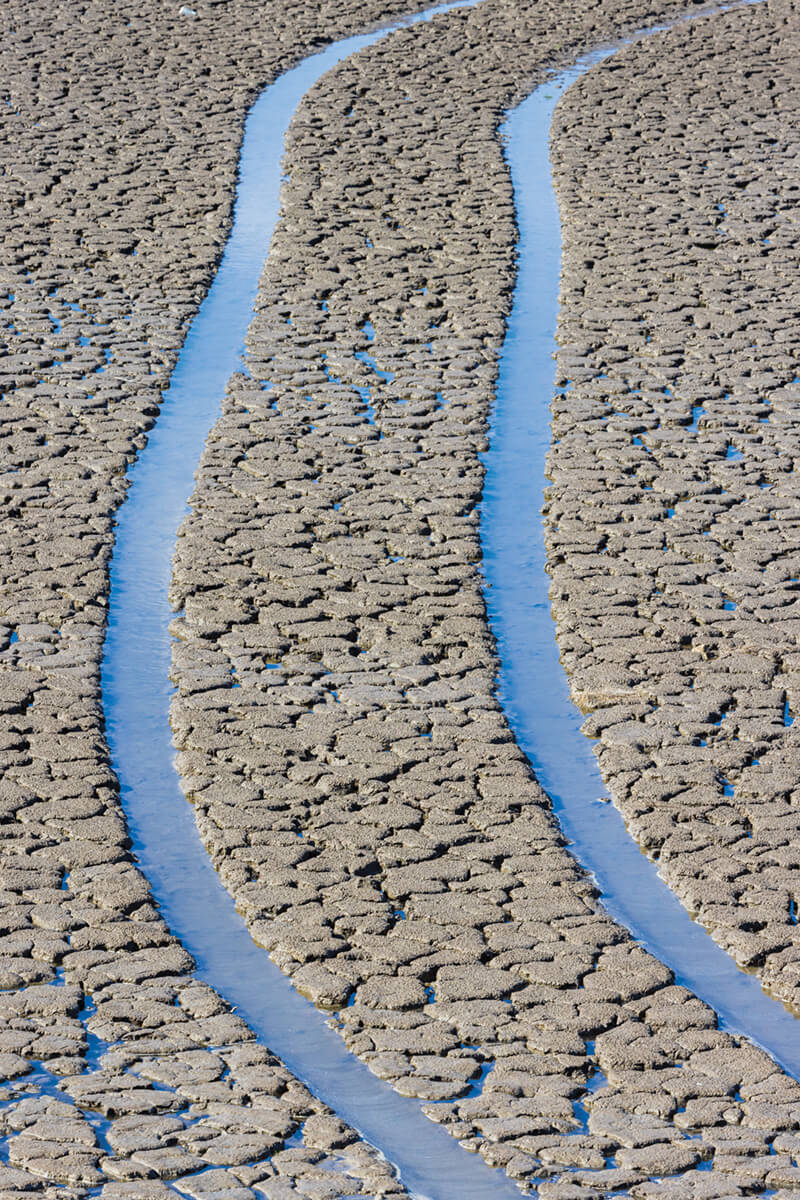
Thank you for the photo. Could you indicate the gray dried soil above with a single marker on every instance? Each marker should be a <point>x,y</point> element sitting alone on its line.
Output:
<point>672,525</point>
<point>353,776</point>
<point>121,124</point>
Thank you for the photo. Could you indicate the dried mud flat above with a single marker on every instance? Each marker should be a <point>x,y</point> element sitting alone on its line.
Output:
<point>335,671</point>
<point>673,518</point>
<point>121,126</point>
<point>334,535</point>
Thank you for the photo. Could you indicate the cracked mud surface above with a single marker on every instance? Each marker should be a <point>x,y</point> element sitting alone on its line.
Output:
<point>353,776</point>
<point>431,886</point>
<point>672,519</point>
<point>121,126</point>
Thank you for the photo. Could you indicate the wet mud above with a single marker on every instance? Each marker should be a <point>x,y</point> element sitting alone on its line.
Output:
<point>330,566</point>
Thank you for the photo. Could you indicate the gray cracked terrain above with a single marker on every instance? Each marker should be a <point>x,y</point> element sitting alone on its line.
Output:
<point>431,887</point>
<point>672,523</point>
<point>120,131</point>
<point>335,671</point>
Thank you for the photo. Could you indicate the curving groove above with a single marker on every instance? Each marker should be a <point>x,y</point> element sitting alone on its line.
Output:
<point>137,657</point>
<point>136,691</point>
<point>546,723</point>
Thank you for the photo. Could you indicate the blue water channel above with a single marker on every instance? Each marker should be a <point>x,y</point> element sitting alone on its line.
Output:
<point>136,665</point>
<point>136,691</point>
<point>532,684</point>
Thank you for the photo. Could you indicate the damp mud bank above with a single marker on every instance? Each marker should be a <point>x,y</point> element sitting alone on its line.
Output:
<point>353,776</point>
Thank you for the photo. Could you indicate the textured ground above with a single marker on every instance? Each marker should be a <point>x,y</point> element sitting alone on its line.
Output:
<point>431,887</point>
<point>673,517</point>
<point>120,131</point>
<point>335,670</point>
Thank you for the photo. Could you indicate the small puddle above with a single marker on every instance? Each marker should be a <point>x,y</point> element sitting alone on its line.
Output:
<point>532,684</point>
<point>136,690</point>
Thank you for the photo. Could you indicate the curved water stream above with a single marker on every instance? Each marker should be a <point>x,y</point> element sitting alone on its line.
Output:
<point>545,722</point>
<point>137,660</point>
<point>136,690</point>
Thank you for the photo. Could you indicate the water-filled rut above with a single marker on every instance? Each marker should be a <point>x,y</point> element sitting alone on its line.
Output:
<point>136,691</point>
<point>545,721</point>
<point>136,694</point>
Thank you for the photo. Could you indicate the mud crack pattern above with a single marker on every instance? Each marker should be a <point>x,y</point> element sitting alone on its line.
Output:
<point>353,776</point>
<point>672,518</point>
<point>121,126</point>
